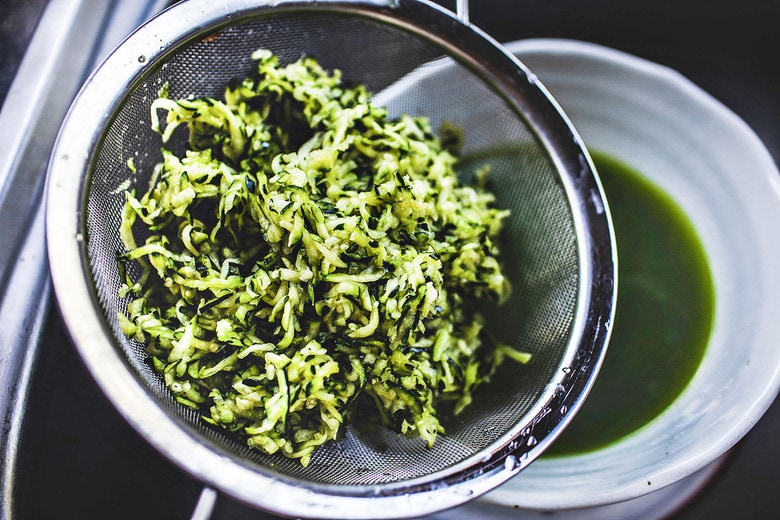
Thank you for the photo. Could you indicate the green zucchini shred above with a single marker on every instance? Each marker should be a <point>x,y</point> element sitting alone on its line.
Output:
<point>308,258</point>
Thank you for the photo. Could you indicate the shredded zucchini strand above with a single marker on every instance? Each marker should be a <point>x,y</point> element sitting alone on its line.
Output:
<point>306,254</point>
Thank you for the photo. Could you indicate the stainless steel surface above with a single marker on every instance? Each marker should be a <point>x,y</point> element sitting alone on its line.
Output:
<point>541,171</point>
<point>77,458</point>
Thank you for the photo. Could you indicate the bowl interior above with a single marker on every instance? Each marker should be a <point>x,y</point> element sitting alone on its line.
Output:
<point>717,170</point>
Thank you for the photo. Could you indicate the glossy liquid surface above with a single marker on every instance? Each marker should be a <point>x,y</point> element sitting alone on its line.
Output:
<point>663,317</point>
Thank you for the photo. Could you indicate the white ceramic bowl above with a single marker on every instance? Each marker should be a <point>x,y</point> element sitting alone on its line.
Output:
<point>719,172</point>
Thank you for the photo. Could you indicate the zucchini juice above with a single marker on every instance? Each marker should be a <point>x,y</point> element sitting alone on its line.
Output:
<point>663,318</point>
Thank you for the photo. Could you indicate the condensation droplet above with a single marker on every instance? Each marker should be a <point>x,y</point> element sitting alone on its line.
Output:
<point>464,492</point>
<point>141,59</point>
<point>510,462</point>
<point>79,237</point>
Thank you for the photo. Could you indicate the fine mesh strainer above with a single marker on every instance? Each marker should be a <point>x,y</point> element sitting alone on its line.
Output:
<point>421,60</point>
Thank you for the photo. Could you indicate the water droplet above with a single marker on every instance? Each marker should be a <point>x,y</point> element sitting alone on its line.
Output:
<point>141,59</point>
<point>597,202</point>
<point>566,370</point>
<point>79,237</point>
<point>464,492</point>
<point>510,463</point>
<point>564,409</point>
<point>532,441</point>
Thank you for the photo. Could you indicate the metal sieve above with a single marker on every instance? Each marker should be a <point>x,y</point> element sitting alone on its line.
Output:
<point>419,59</point>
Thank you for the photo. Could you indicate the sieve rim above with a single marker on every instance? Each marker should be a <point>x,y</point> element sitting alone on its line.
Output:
<point>71,166</point>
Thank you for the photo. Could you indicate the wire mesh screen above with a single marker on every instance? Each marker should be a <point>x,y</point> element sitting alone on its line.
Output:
<point>410,75</point>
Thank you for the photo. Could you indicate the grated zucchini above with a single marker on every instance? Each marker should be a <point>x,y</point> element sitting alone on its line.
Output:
<point>309,260</point>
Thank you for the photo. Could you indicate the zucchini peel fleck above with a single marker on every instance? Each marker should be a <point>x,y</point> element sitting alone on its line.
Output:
<point>309,261</point>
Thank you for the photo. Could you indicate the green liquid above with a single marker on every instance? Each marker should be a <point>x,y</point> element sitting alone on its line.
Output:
<point>663,317</point>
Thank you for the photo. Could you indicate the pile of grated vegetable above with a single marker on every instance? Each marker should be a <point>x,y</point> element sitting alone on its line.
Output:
<point>308,260</point>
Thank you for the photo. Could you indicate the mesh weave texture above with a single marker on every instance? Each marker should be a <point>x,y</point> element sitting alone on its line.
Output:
<point>411,75</point>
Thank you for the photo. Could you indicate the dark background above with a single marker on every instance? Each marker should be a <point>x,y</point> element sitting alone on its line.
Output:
<point>80,460</point>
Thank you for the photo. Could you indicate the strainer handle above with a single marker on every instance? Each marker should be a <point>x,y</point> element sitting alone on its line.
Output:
<point>204,508</point>
<point>462,10</point>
